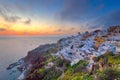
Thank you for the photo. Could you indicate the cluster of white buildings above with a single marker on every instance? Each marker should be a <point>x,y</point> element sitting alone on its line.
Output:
<point>75,48</point>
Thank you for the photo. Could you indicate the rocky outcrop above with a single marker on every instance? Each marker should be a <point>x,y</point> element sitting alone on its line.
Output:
<point>18,63</point>
<point>36,54</point>
<point>114,29</point>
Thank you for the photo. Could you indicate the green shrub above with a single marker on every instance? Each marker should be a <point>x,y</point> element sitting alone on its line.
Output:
<point>52,74</point>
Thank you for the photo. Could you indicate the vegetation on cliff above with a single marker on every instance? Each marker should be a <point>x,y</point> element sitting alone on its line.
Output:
<point>109,70</point>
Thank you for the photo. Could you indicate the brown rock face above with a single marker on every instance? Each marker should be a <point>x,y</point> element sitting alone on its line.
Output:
<point>36,55</point>
<point>114,29</point>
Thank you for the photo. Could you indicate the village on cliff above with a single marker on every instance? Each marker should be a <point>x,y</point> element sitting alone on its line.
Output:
<point>83,46</point>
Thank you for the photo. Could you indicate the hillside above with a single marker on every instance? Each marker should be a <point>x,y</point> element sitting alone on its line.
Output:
<point>85,56</point>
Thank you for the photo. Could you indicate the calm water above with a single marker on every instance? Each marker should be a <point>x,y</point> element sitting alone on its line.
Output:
<point>13,48</point>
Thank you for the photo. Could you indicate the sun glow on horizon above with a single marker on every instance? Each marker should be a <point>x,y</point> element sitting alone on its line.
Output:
<point>34,28</point>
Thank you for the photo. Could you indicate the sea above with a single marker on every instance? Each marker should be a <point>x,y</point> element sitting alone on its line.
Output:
<point>12,48</point>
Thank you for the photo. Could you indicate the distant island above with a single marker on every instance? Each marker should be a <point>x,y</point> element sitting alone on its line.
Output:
<point>85,56</point>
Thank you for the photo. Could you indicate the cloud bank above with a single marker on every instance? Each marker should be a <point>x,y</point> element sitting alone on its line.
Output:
<point>91,14</point>
<point>2,29</point>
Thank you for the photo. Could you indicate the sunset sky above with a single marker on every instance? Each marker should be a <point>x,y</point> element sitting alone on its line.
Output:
<point>51,17</point>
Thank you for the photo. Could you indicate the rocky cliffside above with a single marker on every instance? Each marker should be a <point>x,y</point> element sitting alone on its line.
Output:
<point>35,54</point>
